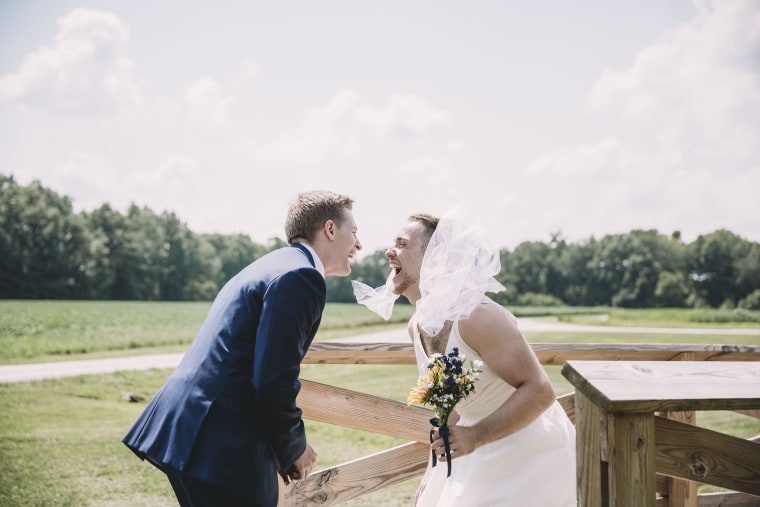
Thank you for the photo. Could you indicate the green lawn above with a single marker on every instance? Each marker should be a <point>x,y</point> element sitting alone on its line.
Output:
<point>60,439</point>
<point>668,317</point>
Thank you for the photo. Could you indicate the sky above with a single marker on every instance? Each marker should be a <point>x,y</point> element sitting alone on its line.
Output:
<point>536,118</point>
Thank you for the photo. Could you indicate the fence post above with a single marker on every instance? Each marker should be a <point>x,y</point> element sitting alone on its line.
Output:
<point>682,492</point>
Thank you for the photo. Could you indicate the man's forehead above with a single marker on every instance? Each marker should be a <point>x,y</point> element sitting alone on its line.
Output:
<point>410,231</point>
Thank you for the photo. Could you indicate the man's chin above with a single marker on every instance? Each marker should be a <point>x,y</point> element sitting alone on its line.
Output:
<point>342,273</point>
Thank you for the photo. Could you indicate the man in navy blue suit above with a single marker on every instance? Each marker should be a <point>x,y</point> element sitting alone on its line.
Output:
<point>226,423</point>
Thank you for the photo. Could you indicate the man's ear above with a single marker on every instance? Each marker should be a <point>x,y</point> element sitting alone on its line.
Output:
<point>330,229</point>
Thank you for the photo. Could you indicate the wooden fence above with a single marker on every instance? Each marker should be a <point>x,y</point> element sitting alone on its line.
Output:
<point>362,411</point>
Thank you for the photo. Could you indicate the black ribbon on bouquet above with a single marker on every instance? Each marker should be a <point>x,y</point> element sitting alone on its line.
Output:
<point>443,431</point>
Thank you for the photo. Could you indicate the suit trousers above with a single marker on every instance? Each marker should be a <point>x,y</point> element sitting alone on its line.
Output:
<point>192,492</point>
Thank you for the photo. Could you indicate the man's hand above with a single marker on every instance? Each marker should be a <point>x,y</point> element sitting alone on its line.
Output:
<point>301,468</point>
<point>462,441</point>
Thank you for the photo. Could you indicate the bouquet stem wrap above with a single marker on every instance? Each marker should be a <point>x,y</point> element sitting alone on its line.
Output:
<point>443,431</point>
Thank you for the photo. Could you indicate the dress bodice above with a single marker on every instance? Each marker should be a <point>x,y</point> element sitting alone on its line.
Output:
<point>490,390</point>
<point>509,472</point>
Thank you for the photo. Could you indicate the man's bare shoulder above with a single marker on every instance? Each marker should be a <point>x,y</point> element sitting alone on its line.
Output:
<point>486,321</point>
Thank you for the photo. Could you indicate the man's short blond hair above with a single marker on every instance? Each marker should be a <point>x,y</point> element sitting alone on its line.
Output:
<point>309,212</point>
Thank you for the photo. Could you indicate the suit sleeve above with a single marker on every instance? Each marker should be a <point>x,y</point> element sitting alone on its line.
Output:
<point>290,315</point>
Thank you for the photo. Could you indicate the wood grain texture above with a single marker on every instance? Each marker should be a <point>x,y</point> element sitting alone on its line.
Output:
<point>729,499</point>
<point>359,353</point>
<point>682,492</point>
<point>707,456</point>
<point>361,411</point>
<point>632,463</point>
<point>567,402</point>
<point>548,353</point>
<point>652,386</point>
<point>588,452</point>
<point>359,477</point>
<point>560,353</point>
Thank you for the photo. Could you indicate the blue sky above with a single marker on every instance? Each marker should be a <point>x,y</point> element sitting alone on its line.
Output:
<point>584,118</point>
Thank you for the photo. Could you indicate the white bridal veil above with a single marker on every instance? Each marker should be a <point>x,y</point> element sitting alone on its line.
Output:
<point>458,268</point>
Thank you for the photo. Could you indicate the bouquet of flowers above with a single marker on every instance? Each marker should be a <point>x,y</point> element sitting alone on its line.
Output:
<point>445,383</point>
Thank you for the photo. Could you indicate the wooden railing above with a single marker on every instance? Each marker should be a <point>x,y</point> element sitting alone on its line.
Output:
<point>362,411</point>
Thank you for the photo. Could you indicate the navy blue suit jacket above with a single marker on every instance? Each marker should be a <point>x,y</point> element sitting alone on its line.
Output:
<point>230,406</point>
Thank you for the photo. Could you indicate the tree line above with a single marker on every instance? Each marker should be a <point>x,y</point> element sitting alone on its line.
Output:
<point>47,251</point>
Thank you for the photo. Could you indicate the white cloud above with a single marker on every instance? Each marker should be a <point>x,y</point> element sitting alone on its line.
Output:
<point>173,173</point>
<point>210,100</point>
<point>587,161</point>
<point>669,138</point>
<point>89,179</point>
<point>681,151</point>
<point>337,127</point>
<point>404,115</point>
<point>698,85</point>
<point>326,129</point>
<point>89,176</point>
<point>246,73</point>
<point>92,180</point>
<point>442,165</point>
<point>208,103</point>
<point>87,71</point>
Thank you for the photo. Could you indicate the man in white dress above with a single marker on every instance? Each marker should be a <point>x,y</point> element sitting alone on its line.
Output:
<point>511,443</point>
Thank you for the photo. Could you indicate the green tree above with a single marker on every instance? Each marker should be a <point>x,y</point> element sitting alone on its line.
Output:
<point>752,301</point>
<point>48,251</point>
<point>44,244</point>
<point>529,267</point>
<point>629,265</point>
<point>748,272</point>
<point>204,268</point>
<point>134,244</point>
<point>575,263</point>
<point>107,228</point>
<point>190,271</point>
<point>672,290</point>
<point>508,296</point>
<point>234,252</point>
<point>713,260</point>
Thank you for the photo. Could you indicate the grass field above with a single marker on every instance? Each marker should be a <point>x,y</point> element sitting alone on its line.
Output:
<point>37,331</point>
<point>60,439</point>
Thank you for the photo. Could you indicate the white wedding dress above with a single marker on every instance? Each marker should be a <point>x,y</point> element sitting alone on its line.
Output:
<point>534,467</point>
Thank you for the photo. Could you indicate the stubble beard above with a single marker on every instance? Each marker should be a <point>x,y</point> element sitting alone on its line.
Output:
<point>404,285</point>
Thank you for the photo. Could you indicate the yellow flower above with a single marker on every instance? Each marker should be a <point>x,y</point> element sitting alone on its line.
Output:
<point>420,391</point>
<point>436,371</point>
<point>416,395</point>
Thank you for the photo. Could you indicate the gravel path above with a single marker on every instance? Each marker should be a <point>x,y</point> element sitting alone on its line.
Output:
<point>29,372</point>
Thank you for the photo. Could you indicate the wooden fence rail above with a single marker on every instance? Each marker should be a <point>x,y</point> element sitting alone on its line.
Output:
<point>366,412</point>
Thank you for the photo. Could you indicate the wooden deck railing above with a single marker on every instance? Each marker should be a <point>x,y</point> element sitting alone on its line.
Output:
<point>362,411</point>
